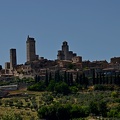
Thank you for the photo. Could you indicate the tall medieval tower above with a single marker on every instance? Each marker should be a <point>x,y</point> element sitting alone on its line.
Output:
<point>31,52</point>
<point>65,54</point>
<point>65,49</point>
<point>13,59</point>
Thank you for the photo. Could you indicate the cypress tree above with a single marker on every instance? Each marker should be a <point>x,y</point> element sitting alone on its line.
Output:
<point>65,77</point>
<point>103,80</point>
<point>93,76</point>
<point>83,78</point>
<point>36,80</point>
<point>107,80</point>
<point>71,79</point>
<point>111,79</point>
<point>115,78</point>
<point>68,78</point>
<point>46,78</point>
<point>50,76</point>
<point>57,76</point>
<point>100,81</point>
<point>77,78</point>
<point>97,79</point>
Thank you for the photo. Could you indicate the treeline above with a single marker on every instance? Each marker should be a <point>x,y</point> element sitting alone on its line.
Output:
<point>66,83</point>
<point>58,111</point>
<point>101,78</point>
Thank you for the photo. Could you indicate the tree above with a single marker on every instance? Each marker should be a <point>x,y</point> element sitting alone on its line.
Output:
<point>111,78</point>
<point>51,86</point>
<point>107,79</point>
<point>57,76</point>
<point>97,79</point>
<point>100,80</point>
<point>50,76</point>
<point>102,107</point>
<point>0,67</point>
<point>68,78</point>
<point>65,77</point>
<point>37,78</point>
<point>77,78</point>
<point>93,107</point>
<point>93,76</point>
<point>103,77</point>
<point>11,116</point>
<point>71,79</point>
<point>75,111</point>
<point>62,88</point>
<point>40,86</point>
<point>63,112</point>
<point>46,78</point>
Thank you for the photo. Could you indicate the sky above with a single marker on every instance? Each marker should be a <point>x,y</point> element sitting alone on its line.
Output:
<point>91,28</point>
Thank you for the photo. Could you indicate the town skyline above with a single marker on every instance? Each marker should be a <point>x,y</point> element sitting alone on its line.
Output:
<point>91,28</point>
<point>31,53</point>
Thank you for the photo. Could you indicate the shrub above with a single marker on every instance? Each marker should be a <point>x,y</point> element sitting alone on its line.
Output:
<point>114,94</point>
<point>37,87</point>
<point>73,89</point>
<point>99,87</point>
<point>62,88</point>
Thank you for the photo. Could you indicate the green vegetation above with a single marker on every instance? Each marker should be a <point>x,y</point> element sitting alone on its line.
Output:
<point>48,105</point>
<point>63,98</point>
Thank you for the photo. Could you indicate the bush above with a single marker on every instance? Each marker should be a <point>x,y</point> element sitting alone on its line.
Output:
<point>37,87</point>
<point>99,87</point>
<point>51,86</point>
<point>114,113</point>
<point>73,89</point>
<point>11,116</point>
<point>62,112</point>
<point>114,94</point>
<point>62,88</point>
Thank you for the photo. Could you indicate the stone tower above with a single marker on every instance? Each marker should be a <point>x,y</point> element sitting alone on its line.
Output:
<point>13,59</point>
<point>31,52</point>
<point>65,49</point>
<point>65,54</point>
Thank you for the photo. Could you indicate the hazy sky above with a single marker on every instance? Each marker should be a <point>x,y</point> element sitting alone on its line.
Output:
<point>91,27</point>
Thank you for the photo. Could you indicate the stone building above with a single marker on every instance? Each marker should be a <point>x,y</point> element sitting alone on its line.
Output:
<point>7,65</point>
<point>31,49</point>
<point>115,60</point>
<point>13,59</point>
<point>65,54</point>
<point>77,59</point>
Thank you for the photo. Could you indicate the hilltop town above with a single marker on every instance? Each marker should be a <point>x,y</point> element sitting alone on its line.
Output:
<point>66,61</point>
<point>63,89</point>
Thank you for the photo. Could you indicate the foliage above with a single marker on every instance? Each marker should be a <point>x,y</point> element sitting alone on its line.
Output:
<point>73,89</point>
<point>99,87</point>
<point>62,88</point>
<point>61,112</point>
<point>37,87</point>
<point>114,94</point>
<point>11,116</point>
<point>51,86</point>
